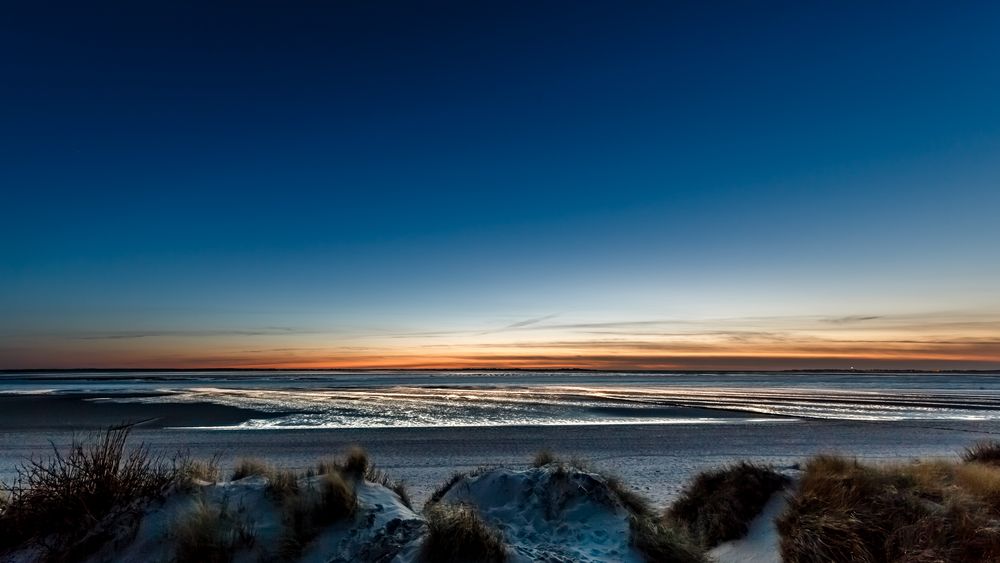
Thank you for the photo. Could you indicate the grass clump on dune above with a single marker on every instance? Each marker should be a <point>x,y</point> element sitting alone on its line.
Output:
<point>357,465</point>
<point>848,511</point>
<point>543,458</point>
<point>308,511</point>
<point>987,451</point>
<point>209,533</point>
<point>280,482</point>
<point>718,505</point>
<point>660,542</point>
<point>457,534</point>
<point>191,471</point>
<point>250,467</point>
<point>62,503</point>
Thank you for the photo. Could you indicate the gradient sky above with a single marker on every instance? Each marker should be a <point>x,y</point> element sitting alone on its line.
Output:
<point>531,184</point>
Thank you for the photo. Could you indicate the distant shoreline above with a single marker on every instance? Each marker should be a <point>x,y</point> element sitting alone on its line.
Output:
<point>35,371</point>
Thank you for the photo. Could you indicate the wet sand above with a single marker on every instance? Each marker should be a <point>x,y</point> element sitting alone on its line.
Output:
<point>86,411</point>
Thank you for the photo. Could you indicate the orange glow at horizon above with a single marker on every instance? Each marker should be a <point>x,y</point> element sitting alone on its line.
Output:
<point>875,347</point>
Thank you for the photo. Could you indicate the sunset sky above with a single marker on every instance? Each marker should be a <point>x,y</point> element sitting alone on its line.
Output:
<point>657,185</point>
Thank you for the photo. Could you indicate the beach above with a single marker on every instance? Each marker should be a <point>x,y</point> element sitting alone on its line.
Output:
<point>655,448</point>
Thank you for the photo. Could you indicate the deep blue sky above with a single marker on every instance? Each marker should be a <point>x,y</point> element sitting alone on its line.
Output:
<point>327,179</point>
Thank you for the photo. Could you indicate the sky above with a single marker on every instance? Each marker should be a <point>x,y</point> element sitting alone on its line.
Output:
<point>643,185</point>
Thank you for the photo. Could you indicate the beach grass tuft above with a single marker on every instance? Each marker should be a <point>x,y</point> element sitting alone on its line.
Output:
<point>282,483</point>
<point>250,467</point>
<point>379,477</point>
<point>718,505</point>
<point>986,451</point>
<point>307,511</point>
<point>636,504</point>
<point>190,471</point>
<point>209,533</point>
<point>64,501</point>
<point>456,533</point>
<point>845,510</point>
<point>442,490</point>
<point>356,462</point>
<point>543,458</point>
<point>660,542</point>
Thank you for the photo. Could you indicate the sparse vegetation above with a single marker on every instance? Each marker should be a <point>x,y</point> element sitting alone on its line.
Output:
<point>209,533</point>
<point>659,542</point>
<point>191,470</point>
<point>543,458</point>
<point>848,511</point>
<point>718,505</point>
<point>457,534</point>
<point>439,493</point>
<point>636,504</point>
<point>379,477</point>
<point>328,465</point>
<point>356,463</point>
<point>282,483</point>
<point>442,490</point>
<point>250,467</point>
<point>62,503</point>
<point>307,511</point>
<point>987,451</point>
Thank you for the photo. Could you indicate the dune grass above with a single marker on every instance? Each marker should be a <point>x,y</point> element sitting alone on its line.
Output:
<point>718,505</point>
<point>457,534</point>
<point>191,471</point>
<point>357,465</point>
<point>987,451</point>
<point>250,467</point>
<point>209,533</point>
<point>848,511</point>
<point>543,458</point>
<point>309,510</point>
<point>61,503</point>
<point>661,542</point>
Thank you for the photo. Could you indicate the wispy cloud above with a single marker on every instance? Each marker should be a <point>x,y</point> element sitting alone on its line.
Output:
<point>851,319</point>
<point>520,324</point>
<point>182,333</point>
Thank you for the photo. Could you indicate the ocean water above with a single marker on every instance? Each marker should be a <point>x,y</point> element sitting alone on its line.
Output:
<point>426,399</point>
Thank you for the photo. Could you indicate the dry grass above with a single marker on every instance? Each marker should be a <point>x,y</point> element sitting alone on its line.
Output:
<point>379,477</point>
<point>636,504</point>
<point>848,511</point>
<point>62,503</point>
<point>442,490</point>
<point>308,511</point>
<point>328,465</point>
<point>987,451</point>
<point>439,493</point>
<point>191,470</point>
<point>282,483</point>
<point>250,467</point>
<point>660,542</point>
<point>543,458</point>
<point>356,463</point>
<point>209,533</point>
<point>457,534</point>
<point>719,505</point>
